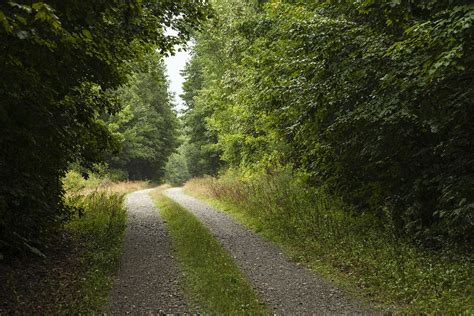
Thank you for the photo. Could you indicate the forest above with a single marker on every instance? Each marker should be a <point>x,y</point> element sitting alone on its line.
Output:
<point>371,100</point>
<point>340,129</point>
<point>80,81</point>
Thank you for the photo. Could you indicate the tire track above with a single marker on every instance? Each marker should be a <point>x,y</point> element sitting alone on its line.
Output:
<point>285,286</point>
<point>148,280</point>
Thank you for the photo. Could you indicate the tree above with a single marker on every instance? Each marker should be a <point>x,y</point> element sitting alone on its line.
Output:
<point>177,168</point>
<point>58,60</point>
<point>201,154</point>
<point>371,99</point>
<point>147,125</point>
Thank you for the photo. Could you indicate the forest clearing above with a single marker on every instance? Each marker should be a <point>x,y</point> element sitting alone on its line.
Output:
<point>318,157</point>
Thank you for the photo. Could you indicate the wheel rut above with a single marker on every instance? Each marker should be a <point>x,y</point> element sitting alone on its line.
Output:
<point>285,286</point>
<point>148,280</point>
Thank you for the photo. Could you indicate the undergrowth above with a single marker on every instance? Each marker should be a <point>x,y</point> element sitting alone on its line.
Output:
<point>360,252</point>
<point>99,225</point>
<point>72,274</point>
<point>211,276</point>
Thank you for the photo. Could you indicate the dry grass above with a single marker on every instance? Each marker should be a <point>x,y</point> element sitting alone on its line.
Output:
<point>127,187</point>
<point>201,187</point>
<point>75,184</point>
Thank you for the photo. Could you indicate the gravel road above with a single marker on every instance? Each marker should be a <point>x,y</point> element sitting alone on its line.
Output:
<point>148,280</point>
<point>285,286</point>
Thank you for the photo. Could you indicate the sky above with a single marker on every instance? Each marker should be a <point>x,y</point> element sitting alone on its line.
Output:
<point>174,65</point>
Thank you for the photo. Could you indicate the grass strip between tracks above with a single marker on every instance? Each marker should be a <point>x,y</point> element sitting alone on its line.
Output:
<point>211,276</point>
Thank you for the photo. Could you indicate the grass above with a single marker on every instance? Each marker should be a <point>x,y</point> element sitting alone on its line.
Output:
<point>211,276</point>
<point>75,184</point>
<point>99,227</point>
<point>75,272</point>
<point>352,250</point>
<point>100,232</point>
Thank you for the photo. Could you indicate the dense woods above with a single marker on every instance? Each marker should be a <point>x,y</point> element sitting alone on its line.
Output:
<point>146,127</point>
<point>60,62</point>
<point>371,100</point>
<point>339,129</point>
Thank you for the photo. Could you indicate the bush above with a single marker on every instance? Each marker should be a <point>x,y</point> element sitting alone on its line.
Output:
<point>366,250</point>
<point>117,175</point>
<point>99,226</point>
<point>176,169</point>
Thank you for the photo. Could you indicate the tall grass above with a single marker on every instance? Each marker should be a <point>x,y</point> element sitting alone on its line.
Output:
<point>99,228</point>
<point>99,225</point>
<point>360,251</point>
<point>73,274</point>
<point>75,184</point>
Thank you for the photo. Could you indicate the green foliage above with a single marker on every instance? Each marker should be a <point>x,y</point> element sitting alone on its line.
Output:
<point>177,169</point>
<point>371,99</point>
<point>147,125</point>
<point>363,252</point>
<point>58,60</point>
<point>99,227</point>
<point>211,275</point>
<point>202,157</point>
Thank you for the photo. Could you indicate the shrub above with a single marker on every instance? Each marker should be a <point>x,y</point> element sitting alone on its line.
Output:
<point>99,226</point>
<point>365,249</point>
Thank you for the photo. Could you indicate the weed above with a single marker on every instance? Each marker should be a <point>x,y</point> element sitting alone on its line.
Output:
<point>99,226</point>
<point>357,250</point>
<point>211,276</point>
<point>100,229</point>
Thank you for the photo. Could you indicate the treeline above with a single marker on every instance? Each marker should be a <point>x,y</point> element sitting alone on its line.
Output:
<point>372,100</point>
<point>146,127</point>
<point>64,69</point>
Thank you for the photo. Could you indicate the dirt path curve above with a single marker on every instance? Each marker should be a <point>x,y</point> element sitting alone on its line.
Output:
<point>285,286</point>
<point>148,278</point>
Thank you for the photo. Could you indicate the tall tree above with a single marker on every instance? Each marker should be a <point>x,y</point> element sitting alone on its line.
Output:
<point>372,99</point>
<point>57,60</point>
<point>147,125</point>
<point>202,156</point>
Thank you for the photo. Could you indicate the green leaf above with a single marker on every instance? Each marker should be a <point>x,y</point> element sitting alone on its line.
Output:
<point>23,7</point>
<point>4,21</point>
<point>87,34</point>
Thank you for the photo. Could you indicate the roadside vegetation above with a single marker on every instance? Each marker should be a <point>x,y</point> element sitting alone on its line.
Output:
<point>343,129</point>
<point>77,79</point>
<point>371,100</point>
<point>361,253</point>
<point>74,274</point>
<point>211,276</point>
<point>98,225</point>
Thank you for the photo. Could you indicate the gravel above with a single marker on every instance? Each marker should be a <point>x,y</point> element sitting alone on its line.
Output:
<point>148,280</point>
<point>285,287</point>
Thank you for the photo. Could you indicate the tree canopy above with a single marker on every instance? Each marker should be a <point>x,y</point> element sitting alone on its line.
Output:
<point>146,126</point>
<point>371,99</point>
<point>59,60</point>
